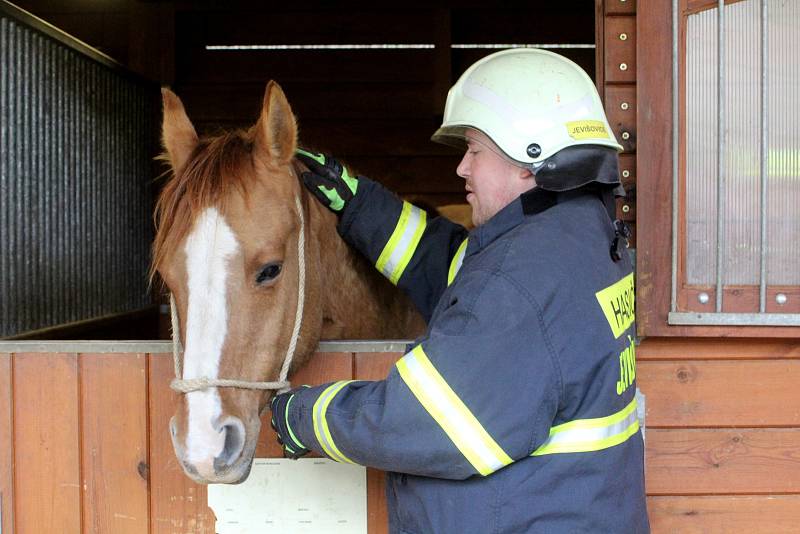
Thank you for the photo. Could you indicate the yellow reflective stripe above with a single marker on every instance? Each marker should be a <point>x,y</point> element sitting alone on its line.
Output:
<point>442,403</point>
<point>617,302</point>
<point>455,264</point>
<point>585,435</point>
<point>321,423</point>
<point>403,242</point>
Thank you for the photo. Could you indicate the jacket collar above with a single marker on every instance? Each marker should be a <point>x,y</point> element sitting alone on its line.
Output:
<point>529,203</point>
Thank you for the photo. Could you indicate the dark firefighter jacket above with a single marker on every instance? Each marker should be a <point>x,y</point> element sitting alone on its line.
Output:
<point>515,412</point>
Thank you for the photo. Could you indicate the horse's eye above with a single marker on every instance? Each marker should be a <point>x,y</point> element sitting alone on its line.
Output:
<point>268,272</point>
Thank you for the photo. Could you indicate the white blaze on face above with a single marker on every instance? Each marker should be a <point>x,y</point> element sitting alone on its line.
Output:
<point>208,248</point>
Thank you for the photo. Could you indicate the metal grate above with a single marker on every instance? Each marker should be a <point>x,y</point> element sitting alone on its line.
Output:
<point>736,184</point>
<point>77,142</point>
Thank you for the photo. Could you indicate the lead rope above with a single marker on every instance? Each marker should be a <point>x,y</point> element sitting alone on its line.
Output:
<point>194,384</point>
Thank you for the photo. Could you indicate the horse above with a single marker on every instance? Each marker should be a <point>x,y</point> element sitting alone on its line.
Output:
<point>243,247</point>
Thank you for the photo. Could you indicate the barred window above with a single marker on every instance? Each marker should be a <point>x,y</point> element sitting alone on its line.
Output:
<point>736,251</point>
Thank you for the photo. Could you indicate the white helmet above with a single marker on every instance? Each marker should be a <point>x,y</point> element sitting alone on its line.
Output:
<point>530,102</point>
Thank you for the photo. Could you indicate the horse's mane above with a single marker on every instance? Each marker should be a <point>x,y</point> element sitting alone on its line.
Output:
<point>217,165</point>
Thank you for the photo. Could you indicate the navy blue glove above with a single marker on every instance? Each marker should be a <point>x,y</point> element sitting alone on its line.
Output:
<point>328,180</point>
<point>292,447</point>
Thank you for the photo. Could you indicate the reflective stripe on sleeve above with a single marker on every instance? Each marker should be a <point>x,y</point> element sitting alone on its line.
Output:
<point>442,403</point>
<point>584,435</point>
<point>321,423</point>
<point>401,245</point>
<point>458,259</point>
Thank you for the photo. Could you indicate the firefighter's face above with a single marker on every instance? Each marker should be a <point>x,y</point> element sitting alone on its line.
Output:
<point>492,181</point>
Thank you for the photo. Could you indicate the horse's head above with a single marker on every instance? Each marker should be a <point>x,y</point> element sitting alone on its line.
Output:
<point>227,248</point>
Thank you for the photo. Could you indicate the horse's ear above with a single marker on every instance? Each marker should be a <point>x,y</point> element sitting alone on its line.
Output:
<point>276,130</point>
<point>178,134</point>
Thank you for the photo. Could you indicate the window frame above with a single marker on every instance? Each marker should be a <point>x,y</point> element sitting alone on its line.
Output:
<point>655,182</point>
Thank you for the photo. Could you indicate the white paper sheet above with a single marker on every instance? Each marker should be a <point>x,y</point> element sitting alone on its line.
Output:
<point>305,496</point>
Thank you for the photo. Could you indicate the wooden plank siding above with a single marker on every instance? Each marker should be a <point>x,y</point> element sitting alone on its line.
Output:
<point>725,514</point>
<point>6,443</point>
<point>723,434</point>
<point>697,393</point>
<point>114,443</point>
<point>716,461</point>
<point>722,439</point>
<point>47,443</point>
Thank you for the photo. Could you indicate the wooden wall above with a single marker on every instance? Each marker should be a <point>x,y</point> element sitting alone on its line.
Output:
<point>723,434</point>
<point>84,442</point>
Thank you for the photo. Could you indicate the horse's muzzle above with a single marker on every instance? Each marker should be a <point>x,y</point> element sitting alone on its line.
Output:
<point>232,465</point>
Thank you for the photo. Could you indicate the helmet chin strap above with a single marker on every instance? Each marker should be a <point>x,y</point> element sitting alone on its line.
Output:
<point>533,167</point>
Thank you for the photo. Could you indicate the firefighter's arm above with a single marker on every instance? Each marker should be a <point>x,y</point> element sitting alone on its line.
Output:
<point>478,393</point>
<point>412,250</point>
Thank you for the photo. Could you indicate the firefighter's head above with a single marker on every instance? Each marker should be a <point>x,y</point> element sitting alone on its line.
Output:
<point>540,113</point>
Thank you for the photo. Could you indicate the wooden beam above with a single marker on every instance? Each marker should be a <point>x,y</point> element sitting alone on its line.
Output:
<point>599,50</point>
<point>722,461</point>
<point>654,166</point>
<point>696,393</point>
<point>724,514</point>
<point>717,349</point>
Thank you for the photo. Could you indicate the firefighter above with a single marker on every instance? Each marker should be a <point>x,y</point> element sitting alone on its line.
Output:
<point>516,410</point>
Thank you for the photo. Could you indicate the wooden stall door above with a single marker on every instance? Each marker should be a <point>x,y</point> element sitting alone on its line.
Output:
<point>85,444</point>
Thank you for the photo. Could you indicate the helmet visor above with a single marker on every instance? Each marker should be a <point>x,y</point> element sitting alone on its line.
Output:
<point>460,136</point>
<point>453,136</point>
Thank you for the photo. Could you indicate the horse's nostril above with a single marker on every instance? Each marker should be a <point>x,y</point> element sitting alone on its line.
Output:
<point>234,443</point>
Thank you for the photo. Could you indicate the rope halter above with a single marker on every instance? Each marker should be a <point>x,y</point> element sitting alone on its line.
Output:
<point>182,385</point>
